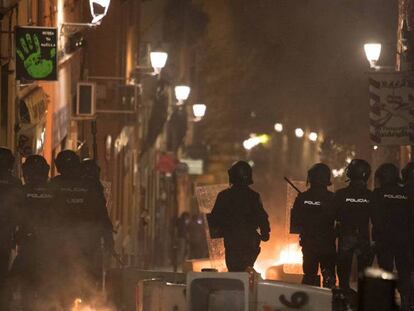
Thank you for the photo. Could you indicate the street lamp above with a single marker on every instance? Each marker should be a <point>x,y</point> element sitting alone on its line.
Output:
<point>158,60</point>
<point>313,136</point>
<point>372,52</point>
<point>98,16</point>
<point>181,93</point>
<point>279,127</point>
<point>299,133</point>
<point>199,111</point>
<point>254,140</point>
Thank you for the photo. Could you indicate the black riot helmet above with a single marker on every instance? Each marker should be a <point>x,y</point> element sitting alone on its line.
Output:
<point>320,174</point>
<point>358,169</point>
<point>67,162</point>
<point>35,169</point>
<point>387,174</point>
<point>90,169</point>
<point>240,173</point>
<point>6,159</point>
<point>407,173</point>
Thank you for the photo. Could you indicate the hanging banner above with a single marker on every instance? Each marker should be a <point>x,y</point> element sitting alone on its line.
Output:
<point>391,101</point>
<point>36,54</point>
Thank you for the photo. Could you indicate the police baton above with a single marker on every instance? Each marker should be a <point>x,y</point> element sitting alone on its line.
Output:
<point>292,184</point>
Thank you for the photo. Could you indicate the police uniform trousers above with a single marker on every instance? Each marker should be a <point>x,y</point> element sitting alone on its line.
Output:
<point>315,257</point>
<point>348,246</point>
<point>242,254</point>
<point>387,254</point>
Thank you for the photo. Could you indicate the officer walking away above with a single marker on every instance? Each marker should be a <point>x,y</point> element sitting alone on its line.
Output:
<point>33,264</point>
<point>11,197</point>
<point>104,228</point>
<point>238,213</point>
<point>79,207</point>
<point>353,206</point>
<point>393,211</point>
<point>314,216</point>
<point>407,174</point>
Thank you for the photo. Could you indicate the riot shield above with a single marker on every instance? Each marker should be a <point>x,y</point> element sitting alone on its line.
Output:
<point>206,197</point>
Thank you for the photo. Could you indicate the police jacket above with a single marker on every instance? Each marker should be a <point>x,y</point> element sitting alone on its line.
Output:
<point>11,199</point>
<point>392,214</point>
<point>314,215</point>
<point>238,212</point>
<point>353,206</point>
<point>409,189</point>
<point>77,204</point>
<point>37,215</point>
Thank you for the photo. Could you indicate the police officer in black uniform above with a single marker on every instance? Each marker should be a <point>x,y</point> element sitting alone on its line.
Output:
<point>238,213</point>
<point>11,197</point>
<point>79,205</point>
<point>314,217</point>
<point>104,236</point>
<point>391,224</point>
<point>353,206</point>
<point>407,174</point>
<point>35,255</point>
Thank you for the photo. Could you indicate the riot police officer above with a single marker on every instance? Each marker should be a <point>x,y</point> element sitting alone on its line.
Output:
<point>314,217</point>
<point>78,204</point>
<point>353,206</point>
<point>391,226</point>
<point>11,197</point>
<point>36,247</point>
<point>407,174</point>
<point>90,169</point>
<point>92,172</point>
<point>238,212</point>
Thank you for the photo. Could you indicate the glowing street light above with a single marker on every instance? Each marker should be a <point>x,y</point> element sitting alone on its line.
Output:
<point>253,141</point>
<point>199,111</point>
<point>158,60</point>
<point>181,93</point>
<point>279,127</point>
<point>313,136</point>
<point>98,16</point>
<point>372,52</point>
<point>299,133</point>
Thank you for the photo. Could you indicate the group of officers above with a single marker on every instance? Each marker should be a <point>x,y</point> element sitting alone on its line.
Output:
<point>365,223</point>
<point>58,228</point>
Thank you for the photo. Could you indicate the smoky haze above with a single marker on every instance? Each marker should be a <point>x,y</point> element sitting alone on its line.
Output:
<point>298,62</point>
<point>301,62</point>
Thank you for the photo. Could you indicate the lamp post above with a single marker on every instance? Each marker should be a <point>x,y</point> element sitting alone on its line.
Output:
<point>278,127</point>
<point>313,136</point>
<point>372,52</point>
<point>299,132</point>
<point>158,61</point>
<point>199,111</point>
<point>181,93</point>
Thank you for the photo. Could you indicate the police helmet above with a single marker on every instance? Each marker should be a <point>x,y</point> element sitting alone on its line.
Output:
<point>240,173</point>
<point>387,174</point>
<point>358,169</point>
<point>407,172</point>
<point>35,168</point>
<point>6,159</point>
<point>320,173</point>
<point>90,168</point>
<point>67,161</point>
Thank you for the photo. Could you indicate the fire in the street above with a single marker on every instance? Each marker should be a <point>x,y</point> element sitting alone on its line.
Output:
<point>290,258</point>
<point>79,305</point>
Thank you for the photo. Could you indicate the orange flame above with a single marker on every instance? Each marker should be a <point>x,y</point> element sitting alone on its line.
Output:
<point>291,255</point>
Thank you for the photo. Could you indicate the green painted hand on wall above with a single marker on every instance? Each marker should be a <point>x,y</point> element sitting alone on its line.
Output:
<point>31,56</point>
